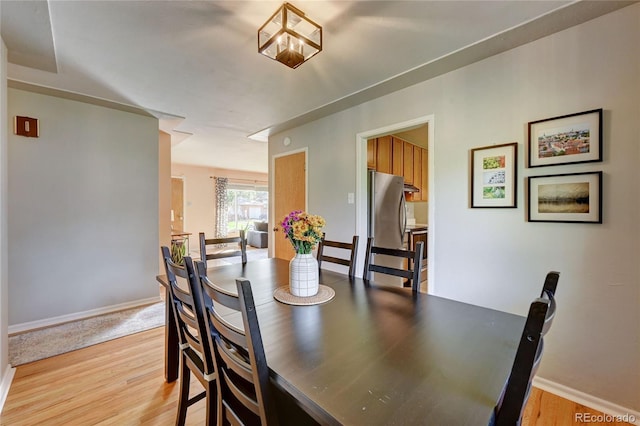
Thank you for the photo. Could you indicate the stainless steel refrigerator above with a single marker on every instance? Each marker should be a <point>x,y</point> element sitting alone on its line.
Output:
<point>387,220</point>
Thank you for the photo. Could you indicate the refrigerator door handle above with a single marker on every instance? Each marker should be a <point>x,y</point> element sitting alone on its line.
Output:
<point>402,216</point>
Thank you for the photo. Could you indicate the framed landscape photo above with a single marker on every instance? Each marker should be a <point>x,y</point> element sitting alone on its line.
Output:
<point>575,197</point>
<point>574,138</point>
<point>493,175</point>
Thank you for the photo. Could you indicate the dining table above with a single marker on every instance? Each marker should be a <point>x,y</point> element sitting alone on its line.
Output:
<point>374,355</point>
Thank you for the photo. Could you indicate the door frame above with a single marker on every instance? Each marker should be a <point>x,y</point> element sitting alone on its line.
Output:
<point>361,187</point>
<point>272,195</point>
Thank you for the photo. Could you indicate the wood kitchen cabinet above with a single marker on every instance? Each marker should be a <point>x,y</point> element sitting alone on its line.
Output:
<point>388,154</point>
<point>417,169</point>
<point>397,157</point>
<point>384,155</point>
<point>424,177</point>
<point>420,175</point>
<point>417,174</point>
<point>408,152</point>
<point>372,145</point>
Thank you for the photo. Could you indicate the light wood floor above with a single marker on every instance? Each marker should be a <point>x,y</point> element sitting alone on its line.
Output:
<point>121,383</point>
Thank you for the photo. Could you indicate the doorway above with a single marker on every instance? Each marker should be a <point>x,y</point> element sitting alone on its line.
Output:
<point>177,204</point>
<point>361,186</point>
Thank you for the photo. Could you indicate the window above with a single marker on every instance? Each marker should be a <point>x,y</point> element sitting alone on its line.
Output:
<point>246,204</point>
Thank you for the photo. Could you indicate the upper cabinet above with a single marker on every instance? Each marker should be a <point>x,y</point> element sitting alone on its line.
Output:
<point>420,175</point>
<point>408,154</point>
<point>388,154</point>
<point>397,157</point>
<point>384,155</point>
<point>424,181</point>
<point>372,152</point>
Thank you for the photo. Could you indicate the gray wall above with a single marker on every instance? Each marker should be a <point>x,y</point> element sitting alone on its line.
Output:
<point>4,273</point>
<point>493,257</point>
<point>83,208</point>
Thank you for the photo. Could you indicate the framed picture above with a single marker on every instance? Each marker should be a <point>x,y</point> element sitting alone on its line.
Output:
<point>574,138</point>
<point>575,197</point>
<point>493,175</point>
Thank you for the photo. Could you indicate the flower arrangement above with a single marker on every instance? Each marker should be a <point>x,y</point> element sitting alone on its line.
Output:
<point>303,230</point>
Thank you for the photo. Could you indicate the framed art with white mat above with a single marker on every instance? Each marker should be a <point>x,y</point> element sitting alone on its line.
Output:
<point>493,175</point>
<point>574,197</point>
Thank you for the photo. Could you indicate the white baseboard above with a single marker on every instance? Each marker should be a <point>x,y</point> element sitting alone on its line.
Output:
<point>606,407</point>
<point>5,385</point>
<point>33,325</point>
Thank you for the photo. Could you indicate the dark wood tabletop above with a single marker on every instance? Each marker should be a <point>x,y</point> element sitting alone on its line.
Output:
<point>379,356</point>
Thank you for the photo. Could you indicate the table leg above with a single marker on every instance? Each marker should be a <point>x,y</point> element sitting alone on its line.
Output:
<point>171,346</point>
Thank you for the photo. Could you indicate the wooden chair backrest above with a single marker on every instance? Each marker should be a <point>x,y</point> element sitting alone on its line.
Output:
<point>414,259</point>
<point>528,356</point>
<point>187,308</point>
<point>239,354</point>
<point>352,247</point>
<point>219,242</point>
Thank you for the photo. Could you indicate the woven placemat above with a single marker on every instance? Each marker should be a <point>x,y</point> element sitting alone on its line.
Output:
<point>282,294</point>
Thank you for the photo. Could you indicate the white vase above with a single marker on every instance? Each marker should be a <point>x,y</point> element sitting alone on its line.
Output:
<point>303,275</point>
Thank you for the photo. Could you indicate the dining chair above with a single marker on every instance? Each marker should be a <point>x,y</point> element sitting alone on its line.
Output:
<point>411,273</point>
<point>244,389</point>
<point>221,251</point>
<point>515,394</point>
<point>196,356</point>
<point>352,247</point>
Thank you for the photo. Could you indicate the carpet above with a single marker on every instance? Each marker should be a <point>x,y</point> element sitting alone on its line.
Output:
<point>50,341</point>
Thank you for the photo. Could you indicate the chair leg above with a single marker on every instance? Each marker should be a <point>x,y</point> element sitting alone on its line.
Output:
<point>183,400</point>
<point>220,414</point>
<point>212,402</point>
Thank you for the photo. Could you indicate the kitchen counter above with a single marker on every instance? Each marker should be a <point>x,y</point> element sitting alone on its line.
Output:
<point>415,233</point>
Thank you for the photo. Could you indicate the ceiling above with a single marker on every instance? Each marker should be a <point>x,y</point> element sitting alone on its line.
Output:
<point>195,65</point>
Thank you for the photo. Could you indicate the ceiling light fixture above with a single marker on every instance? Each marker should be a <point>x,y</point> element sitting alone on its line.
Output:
<point>290,37</point>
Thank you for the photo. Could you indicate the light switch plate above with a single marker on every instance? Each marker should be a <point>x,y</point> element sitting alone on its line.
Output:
<point>26,126</point>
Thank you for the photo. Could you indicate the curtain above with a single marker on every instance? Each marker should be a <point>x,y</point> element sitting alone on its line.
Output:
<point>221,207</point>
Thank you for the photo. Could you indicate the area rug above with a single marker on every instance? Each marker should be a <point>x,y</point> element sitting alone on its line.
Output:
<point>47,342</point>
